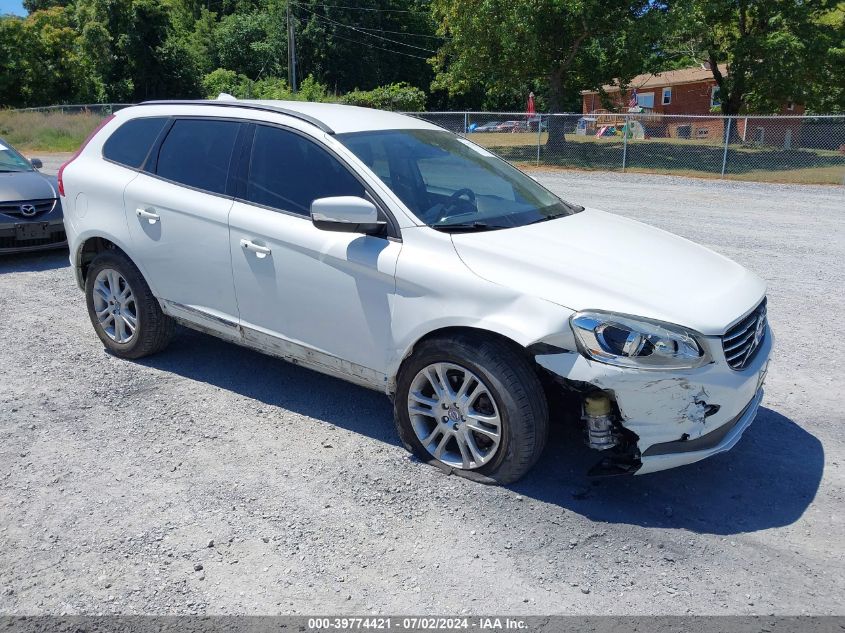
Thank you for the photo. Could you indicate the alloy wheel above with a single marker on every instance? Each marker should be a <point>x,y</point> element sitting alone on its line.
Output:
<point>114,305</point>
<point>454,416</point>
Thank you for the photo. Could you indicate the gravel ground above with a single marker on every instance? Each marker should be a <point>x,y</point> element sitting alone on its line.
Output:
<point>211,479</point>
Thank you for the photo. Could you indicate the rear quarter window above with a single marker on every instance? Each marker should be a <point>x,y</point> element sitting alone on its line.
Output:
<point>131,142</point>
<point>197,153</point>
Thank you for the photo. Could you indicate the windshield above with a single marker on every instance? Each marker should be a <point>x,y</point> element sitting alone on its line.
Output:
<point>10,160</point>
<point>452,184</point>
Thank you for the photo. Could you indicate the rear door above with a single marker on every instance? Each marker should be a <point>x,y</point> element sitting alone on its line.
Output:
<point>178,220</point>
<point>321,296</point>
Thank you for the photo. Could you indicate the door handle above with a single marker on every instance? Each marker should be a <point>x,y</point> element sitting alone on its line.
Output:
<point>260,251</point>
<point>150,216</point>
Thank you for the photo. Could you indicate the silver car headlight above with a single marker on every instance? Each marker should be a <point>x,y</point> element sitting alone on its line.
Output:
<point>627,341</point>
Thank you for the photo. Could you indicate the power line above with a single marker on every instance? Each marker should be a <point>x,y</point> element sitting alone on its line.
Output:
<point>436,37</point>
<point>362,32</point>
<point>378,48</point>
<point>341,6</point>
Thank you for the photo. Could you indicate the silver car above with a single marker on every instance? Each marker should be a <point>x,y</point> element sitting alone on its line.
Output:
<point>394,254</point>
<point>30,209</point>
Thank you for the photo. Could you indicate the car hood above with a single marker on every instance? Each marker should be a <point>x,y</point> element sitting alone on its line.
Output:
<point>600,261</point>
<point>27,185</point>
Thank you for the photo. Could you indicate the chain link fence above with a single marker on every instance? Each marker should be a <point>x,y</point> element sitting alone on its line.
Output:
<point>103,109</point>
<point>791,149</point>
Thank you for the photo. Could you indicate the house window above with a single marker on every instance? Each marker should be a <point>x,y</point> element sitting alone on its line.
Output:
<point>667,96</point>
<point>714,100</point>
<point>790,106</point>
<point>645,99</point>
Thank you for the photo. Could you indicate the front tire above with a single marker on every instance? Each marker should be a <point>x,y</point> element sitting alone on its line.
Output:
<point>125,314</point>
<point>473,405</point>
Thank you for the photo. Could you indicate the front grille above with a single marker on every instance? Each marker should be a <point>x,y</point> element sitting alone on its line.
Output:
<point>742,341</point>
<point>57,237</point>
<point>27,209</point>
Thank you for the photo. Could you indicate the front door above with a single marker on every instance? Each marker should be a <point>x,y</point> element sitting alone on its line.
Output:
<point>178,221</point>
<point>319,296</point>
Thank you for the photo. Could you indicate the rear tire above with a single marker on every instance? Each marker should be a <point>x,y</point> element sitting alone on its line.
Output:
<point>495,431</point>
<point>125,314</point>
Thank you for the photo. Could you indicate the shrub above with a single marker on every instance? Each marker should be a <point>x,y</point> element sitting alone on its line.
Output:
<point>242,87</point>
<point>228,81</point>
<point>400,96</point>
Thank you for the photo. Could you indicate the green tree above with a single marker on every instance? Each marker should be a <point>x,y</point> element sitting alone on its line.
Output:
<point>159,64</point>
<point>775,51</point>
<point>39,5</point>
<point>828,96</point>
<point>52,63</point>
<point>13,67</point>
<point>563,46</point>
<point>228,81</point>
<point>364,44</point>
<point>38,59</point>
<point>252,43</point>
<point>102,27</point>
<point>130,51</point>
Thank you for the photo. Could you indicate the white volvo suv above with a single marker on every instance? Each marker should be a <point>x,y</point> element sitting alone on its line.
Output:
<point>389,252</point>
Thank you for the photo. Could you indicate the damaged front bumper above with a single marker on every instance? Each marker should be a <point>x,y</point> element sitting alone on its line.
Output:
<point>671,417</point>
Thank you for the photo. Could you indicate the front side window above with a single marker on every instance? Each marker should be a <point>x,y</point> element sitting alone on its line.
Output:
<point>288,172</point>
<point>452,184</point>
<point>11,161</point>
<point>197,153</point>
<point>131,142</point>
<point>667,96</point>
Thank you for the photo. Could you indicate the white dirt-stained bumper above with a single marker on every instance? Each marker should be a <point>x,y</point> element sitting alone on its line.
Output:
<point>679,416</point>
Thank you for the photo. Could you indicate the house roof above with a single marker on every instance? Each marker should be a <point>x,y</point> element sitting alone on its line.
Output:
<point>668,78</point>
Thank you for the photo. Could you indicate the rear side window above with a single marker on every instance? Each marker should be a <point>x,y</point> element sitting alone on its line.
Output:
<point>131,142</point>
<point>197,153</point>
<point>288,172</point>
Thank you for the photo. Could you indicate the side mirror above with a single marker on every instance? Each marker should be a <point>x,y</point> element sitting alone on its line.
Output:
<point>36,162</point>
<point>346,214</point>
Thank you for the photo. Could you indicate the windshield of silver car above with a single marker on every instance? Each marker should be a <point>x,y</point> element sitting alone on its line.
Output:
<point>452,184</point>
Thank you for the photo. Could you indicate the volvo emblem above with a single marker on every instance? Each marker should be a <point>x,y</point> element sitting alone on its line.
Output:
<point>28,210</point>
<point>759,331</point>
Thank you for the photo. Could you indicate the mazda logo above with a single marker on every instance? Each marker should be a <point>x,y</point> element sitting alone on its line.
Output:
<point>28,210</point>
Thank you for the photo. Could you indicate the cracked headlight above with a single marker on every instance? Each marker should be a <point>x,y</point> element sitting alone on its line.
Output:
<point>626,341</point>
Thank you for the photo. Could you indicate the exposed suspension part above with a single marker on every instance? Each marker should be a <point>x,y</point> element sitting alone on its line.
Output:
<point>598,422</point>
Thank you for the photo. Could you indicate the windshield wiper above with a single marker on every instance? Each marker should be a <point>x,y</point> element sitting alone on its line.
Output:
<point>549,217</point>
<point>467,226</point>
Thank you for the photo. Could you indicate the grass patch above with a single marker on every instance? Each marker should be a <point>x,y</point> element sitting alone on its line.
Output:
<point>46,131</point>
<point>808,176</point>
<point>659,156</point>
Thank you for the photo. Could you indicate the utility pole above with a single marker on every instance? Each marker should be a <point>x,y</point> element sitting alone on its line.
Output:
<point>291,51</point>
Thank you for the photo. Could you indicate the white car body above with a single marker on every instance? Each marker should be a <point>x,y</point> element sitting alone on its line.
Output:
<point>354,306</point>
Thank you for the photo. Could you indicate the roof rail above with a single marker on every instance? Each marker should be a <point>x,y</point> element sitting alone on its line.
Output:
<point>249,105</point>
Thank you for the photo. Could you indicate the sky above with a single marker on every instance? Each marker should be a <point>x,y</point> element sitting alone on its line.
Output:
<point>12,6</point>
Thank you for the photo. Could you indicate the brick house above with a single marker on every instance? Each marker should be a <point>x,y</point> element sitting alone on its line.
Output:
<point>689,91</point>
